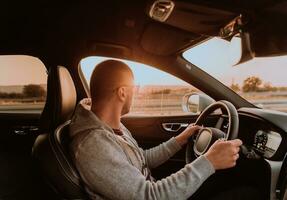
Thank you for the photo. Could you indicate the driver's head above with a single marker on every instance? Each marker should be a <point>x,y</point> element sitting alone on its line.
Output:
<point>112,81</point>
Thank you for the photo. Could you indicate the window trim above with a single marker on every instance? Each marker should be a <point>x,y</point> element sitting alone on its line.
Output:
<point>130,114</point>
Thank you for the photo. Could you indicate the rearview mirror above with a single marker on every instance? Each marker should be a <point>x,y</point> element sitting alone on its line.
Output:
<point>195,102</point>
<point>239,40</point>
<point>239,49</point>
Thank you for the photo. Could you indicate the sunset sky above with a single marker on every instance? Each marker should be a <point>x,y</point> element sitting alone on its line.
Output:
<point>144,74</point>
<point>213,57</point>
<point>21,70</point>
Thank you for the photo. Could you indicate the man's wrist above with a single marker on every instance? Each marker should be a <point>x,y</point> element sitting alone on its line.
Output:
<point>207,156</point>
<point>181,140</point>
<point>211,165</point>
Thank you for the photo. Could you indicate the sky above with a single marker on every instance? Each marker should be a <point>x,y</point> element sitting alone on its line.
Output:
<point>213,57</point>
<point>143,74</point>
<point>21,70</point>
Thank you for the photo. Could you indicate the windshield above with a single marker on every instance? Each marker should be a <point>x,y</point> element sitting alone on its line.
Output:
<point>261,81</point>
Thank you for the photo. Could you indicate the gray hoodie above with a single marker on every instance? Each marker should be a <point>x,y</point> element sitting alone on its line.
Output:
<point>115,167</point>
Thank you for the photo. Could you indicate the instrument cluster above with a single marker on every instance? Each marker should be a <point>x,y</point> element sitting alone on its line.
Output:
<point>267,142</point>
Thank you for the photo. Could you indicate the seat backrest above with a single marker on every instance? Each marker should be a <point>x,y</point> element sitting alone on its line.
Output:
<point>52,154</point>
<point>61,99</point>
<point>51,148</point>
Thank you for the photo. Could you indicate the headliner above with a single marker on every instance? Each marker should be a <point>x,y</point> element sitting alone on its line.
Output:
<point>59,32</point>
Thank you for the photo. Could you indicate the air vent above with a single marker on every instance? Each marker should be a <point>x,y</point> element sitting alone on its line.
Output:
<point>161,10</point>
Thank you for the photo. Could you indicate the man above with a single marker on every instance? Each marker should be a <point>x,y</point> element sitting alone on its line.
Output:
<point>109,160</point>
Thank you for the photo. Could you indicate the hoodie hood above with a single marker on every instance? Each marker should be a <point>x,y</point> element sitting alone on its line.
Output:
<point>84,120</point>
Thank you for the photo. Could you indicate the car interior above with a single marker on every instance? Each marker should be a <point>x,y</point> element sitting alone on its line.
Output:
<point>34,143</point>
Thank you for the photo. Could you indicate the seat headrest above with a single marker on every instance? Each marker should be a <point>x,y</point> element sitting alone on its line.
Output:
<point>61,99</point>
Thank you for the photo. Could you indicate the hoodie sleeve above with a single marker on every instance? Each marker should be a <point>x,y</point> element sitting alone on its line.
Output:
<point>157,155</point>
<point>105,170</point>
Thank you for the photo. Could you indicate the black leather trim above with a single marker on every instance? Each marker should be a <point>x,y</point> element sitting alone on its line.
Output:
<point>51,152</point>
<point>62,157</point>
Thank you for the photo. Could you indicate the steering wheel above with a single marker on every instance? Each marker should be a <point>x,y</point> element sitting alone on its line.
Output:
<point>206,136</point>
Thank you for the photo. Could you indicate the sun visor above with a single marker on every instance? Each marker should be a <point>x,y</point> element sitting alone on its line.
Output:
<point>269,36</point>
<point>190,17</point>
<point>160,39</point>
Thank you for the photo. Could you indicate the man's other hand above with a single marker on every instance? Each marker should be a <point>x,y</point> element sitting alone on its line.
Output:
<point>223,154</point>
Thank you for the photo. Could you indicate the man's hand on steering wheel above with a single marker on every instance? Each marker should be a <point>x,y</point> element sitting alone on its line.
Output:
<point>183,138</point>
<point>223,154</point>
<point>220,147</point>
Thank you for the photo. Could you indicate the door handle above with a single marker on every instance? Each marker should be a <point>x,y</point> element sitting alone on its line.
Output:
<point>25,130</point>
<point>174,127</point>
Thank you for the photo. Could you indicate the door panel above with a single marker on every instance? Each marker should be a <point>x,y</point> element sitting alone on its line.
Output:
<point>18,132</point>
<point>149,132</point>
<point>19,180</point>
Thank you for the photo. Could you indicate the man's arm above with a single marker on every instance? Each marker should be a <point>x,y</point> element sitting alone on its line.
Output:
<point>105,170</point>
<point>161,153</point>
<point>157,155</point>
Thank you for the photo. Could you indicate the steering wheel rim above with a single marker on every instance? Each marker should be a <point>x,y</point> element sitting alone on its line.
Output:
<point>232,131</point>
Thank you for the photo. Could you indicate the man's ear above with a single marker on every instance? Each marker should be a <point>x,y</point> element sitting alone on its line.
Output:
<point>122,93</point>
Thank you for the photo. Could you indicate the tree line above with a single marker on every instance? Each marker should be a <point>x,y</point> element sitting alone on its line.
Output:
<point>255,84</point>
<point>29,91</point>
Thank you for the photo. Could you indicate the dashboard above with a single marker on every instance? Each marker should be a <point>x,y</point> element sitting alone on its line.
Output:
<point>263,132</point>
<point>266,143</point>
<point>264,136</point>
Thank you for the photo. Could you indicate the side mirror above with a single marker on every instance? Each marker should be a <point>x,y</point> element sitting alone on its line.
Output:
<point>195,102</point>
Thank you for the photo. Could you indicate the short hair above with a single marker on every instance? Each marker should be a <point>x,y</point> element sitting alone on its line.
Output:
<point>106,77</point>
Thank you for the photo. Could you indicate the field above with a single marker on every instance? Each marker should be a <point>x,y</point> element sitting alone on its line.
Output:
<point>268,100</point>
<point>171,103</point>
<point>22,105</point>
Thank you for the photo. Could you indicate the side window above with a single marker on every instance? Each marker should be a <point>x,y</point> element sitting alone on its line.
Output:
<point>23,82</point>
<point>158,93</point>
